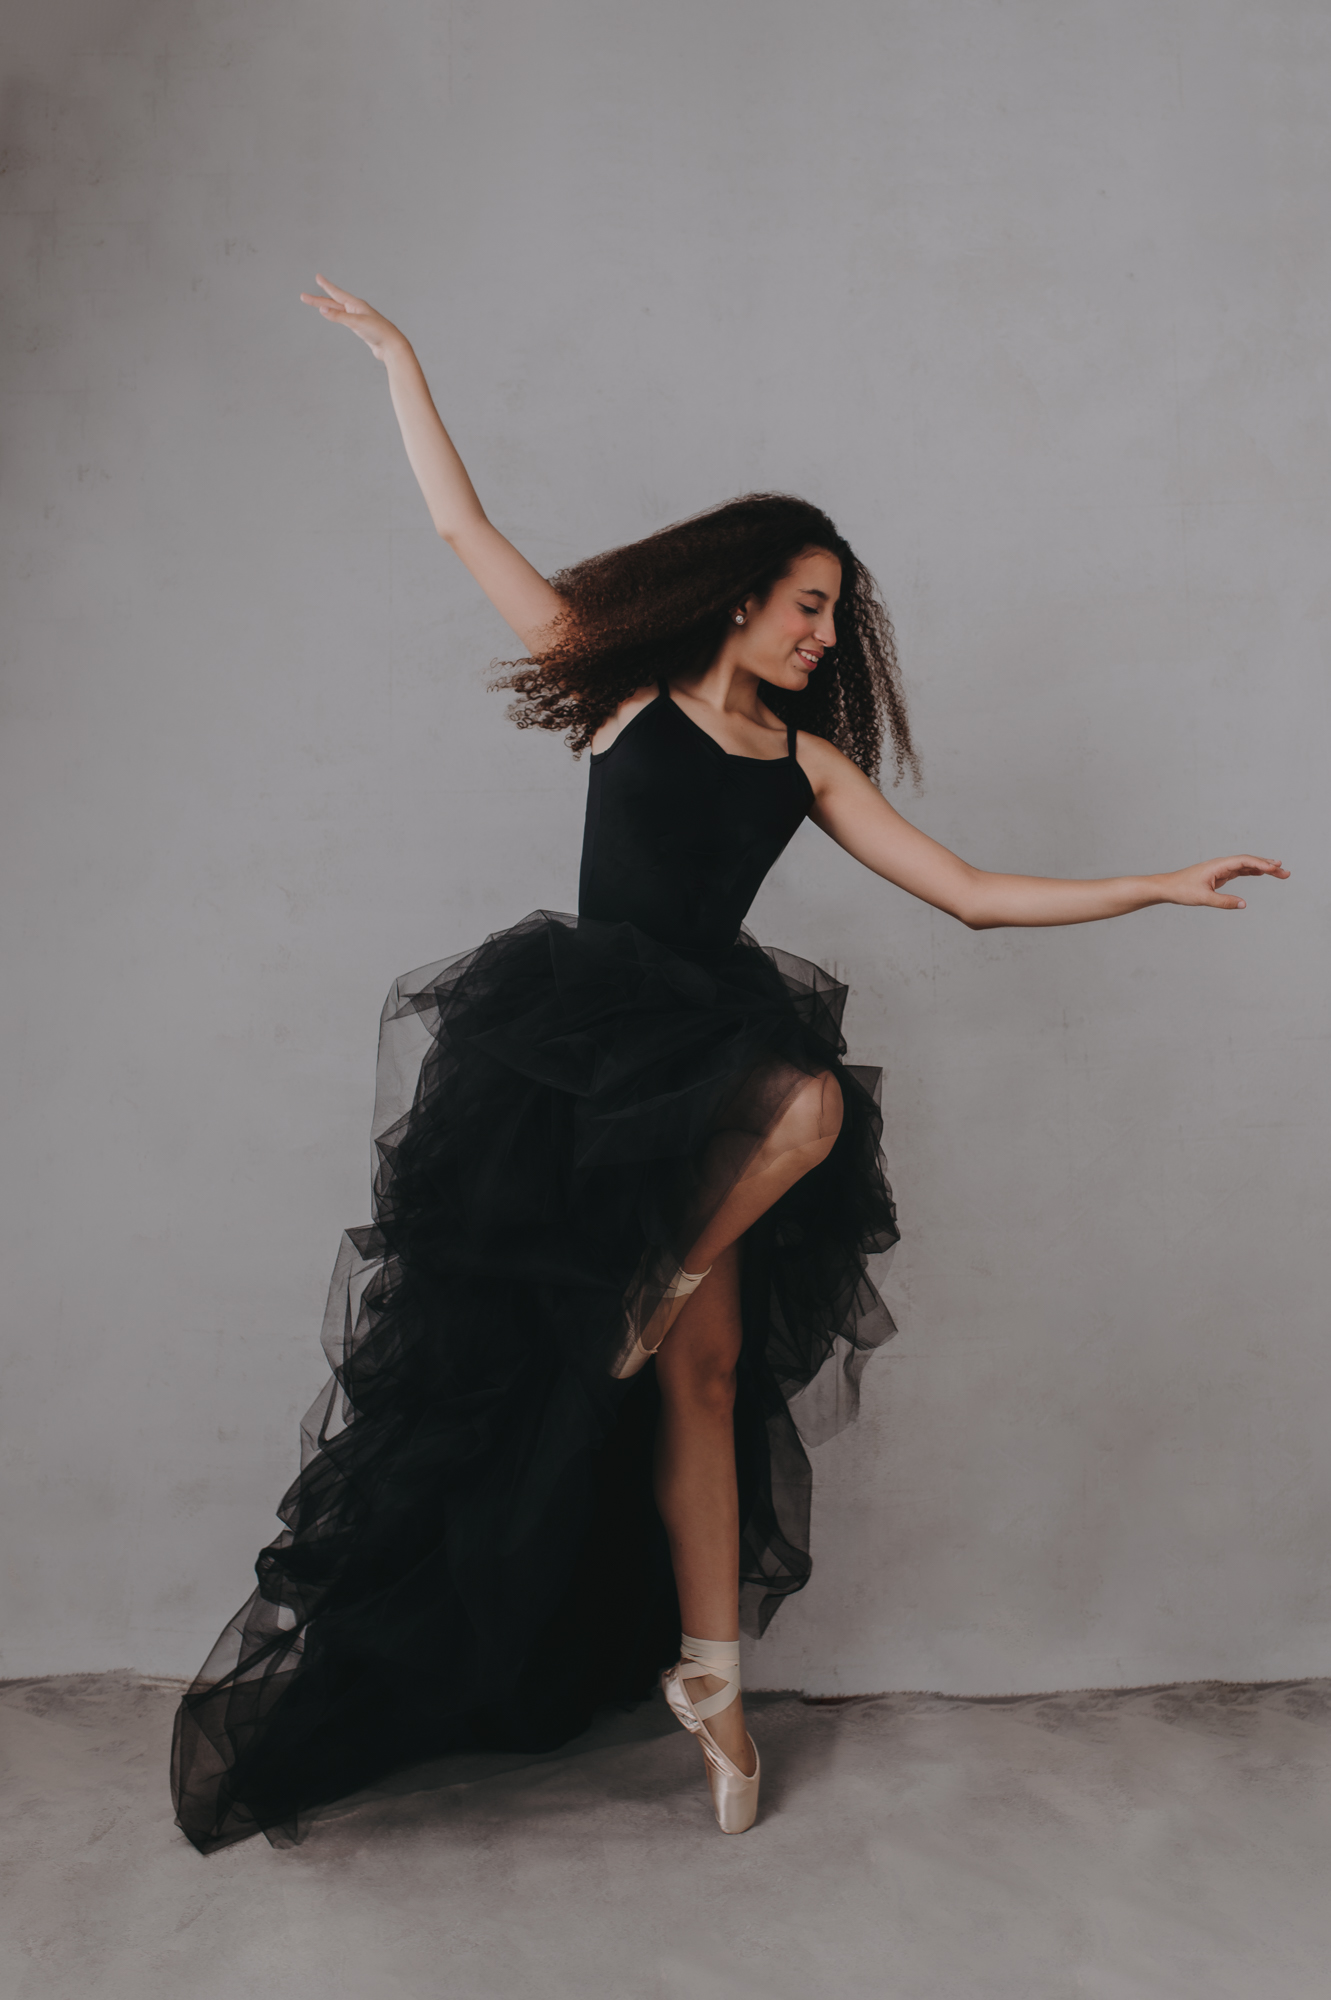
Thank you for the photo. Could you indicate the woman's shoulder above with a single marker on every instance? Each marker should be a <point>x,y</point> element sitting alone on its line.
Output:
<point>614,725</point>
<point>816,750</point>
<point>823,764</point>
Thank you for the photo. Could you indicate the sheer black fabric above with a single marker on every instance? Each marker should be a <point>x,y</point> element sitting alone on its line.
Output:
<point>558,1113</point>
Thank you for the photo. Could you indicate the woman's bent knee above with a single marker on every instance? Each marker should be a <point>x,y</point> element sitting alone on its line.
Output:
<point>811,1116</point>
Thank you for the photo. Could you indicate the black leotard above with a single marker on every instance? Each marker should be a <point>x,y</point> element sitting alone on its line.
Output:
<point>680,833</point>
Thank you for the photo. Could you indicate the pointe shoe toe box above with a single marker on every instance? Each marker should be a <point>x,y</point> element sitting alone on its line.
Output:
<point>735,1797</point>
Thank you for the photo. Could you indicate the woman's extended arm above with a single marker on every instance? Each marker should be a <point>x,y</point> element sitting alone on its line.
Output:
<point>858,817</point>
<point>519,593</point>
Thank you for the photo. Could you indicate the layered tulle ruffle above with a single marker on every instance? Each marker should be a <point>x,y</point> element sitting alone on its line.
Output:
<point>475,1485</point>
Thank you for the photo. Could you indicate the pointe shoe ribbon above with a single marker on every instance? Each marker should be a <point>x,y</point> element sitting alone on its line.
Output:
<point>635,1355</point>
<point>734,1795</point>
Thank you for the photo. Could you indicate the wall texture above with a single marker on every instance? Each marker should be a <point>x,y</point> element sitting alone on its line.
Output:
<point>1034,298</point>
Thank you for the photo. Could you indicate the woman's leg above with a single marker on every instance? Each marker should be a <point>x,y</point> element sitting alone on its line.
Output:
<point>695,1475</point>
<point>799,1138</point>
<point>695,1368</point>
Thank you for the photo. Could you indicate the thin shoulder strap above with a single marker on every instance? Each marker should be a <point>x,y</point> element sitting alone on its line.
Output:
<point>790,741</point>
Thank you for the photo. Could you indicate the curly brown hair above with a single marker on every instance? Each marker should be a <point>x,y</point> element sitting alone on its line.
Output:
<point>661,608</point>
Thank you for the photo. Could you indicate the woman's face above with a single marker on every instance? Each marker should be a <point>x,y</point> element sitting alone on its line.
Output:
<point>784,638</point>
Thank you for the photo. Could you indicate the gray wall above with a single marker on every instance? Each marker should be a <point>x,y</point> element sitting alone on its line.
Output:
<point>1034,298</point>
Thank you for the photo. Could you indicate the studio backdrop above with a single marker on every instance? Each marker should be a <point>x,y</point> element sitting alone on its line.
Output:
<point>1034,300</point>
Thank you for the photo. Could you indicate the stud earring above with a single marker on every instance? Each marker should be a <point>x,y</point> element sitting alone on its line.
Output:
<point>739,617</point>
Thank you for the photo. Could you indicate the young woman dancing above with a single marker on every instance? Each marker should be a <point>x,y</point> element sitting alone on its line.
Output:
<point>626,1191</point>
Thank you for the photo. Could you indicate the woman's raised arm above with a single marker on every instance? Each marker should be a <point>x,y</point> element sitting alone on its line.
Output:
<point>519,593</point>
<point>857,816</point>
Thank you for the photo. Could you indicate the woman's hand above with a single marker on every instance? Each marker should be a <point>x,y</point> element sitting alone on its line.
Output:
<point>1202,884</point>
<point>345,309</point>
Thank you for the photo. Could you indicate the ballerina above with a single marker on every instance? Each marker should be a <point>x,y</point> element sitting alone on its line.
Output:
<point>626,1193</point>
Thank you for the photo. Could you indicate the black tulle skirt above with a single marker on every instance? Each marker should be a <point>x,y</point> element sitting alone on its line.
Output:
<point>557,1114</point>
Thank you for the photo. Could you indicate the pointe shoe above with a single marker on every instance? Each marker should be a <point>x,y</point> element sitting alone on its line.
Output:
<point>635,1355</point>
<point>734,1797</point>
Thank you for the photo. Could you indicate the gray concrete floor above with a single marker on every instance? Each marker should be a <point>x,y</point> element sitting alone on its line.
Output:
<point>1121,1846</point>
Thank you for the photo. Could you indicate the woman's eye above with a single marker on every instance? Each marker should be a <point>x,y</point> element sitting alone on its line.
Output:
<point>811,609</point>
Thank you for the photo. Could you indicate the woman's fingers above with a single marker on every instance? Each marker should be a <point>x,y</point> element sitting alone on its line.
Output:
<point>338,304</point>
<point>1215,874</point>
<point>1246,864</point>
<point>335,315</point>
<point>347,299</point>
<point>1203,883</point>
<point>365,322</point>
<point>357,315</point>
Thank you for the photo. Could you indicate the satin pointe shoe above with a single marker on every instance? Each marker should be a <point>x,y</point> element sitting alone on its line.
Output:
<point>734,1797</point>
<point>635,1355</point>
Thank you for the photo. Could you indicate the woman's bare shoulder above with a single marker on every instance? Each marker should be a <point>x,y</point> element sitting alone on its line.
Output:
<point>614,725</point>
<point>825,766</point>
<point>815,752</point>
